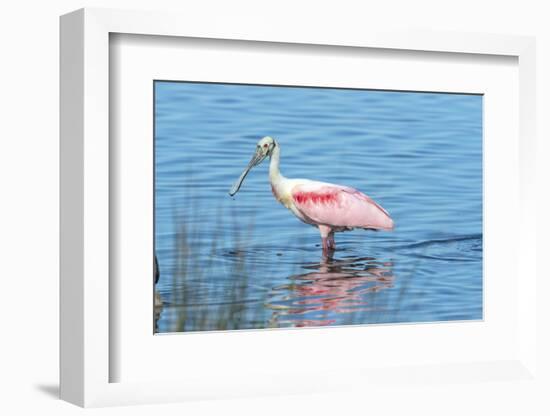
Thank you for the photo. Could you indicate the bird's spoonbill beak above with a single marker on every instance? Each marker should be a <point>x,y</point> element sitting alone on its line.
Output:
<point>258,157</point>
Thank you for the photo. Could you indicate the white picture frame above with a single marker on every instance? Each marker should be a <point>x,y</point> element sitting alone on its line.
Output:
<point>86,353</point>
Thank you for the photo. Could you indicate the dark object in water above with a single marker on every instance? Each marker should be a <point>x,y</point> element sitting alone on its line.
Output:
<point>157,271</point>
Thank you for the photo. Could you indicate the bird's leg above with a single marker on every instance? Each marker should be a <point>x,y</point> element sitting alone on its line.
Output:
<point>331,243</point>
<point>325,238</point>
<point>325,246</point>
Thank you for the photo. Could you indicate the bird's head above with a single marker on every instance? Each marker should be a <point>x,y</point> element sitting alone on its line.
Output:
<point>264,148</point>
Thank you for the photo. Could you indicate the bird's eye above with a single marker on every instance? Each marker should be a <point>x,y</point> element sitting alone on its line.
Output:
<point>265,145</point>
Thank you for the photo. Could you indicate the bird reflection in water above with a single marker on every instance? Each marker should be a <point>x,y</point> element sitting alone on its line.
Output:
<point>333,292</point>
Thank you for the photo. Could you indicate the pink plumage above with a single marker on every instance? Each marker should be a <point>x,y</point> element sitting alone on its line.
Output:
<point>339,207</point>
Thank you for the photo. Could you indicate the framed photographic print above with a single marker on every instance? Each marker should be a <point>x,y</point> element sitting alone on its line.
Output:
<point>241,262</point>
<point>231,200</point>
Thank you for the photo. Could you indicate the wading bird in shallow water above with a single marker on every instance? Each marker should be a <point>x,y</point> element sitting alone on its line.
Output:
<point>329,207</point>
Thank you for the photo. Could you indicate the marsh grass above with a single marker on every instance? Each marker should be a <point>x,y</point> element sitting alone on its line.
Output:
<point>210,287</point>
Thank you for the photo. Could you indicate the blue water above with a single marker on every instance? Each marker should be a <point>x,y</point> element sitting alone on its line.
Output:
<point>247,262</point>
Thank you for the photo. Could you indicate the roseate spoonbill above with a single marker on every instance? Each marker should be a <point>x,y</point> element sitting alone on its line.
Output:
<point>329,207</point>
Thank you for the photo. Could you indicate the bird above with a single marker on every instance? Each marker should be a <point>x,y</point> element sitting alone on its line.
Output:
<point>329,207</point>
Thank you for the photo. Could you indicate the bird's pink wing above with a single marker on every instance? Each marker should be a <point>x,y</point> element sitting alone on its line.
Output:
<point>339,206</point>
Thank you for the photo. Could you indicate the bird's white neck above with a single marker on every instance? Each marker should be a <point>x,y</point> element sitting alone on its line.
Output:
<point>274,172</point>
